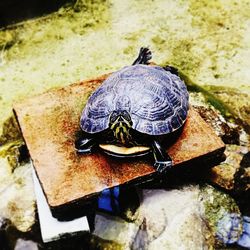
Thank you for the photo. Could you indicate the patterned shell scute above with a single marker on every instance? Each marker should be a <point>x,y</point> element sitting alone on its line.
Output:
<point>156,99</point>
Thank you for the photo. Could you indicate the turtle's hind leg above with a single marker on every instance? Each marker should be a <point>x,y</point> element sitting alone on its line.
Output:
<point>144,56</point>
<point>85,145</point>
<point>162,160</point>
<point>171,69</point>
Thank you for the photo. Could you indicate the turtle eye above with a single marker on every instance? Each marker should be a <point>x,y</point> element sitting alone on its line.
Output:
<point>126,115</point>
<point>113,117</point>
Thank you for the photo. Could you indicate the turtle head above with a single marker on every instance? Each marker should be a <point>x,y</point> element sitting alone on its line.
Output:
<point>120,123</point>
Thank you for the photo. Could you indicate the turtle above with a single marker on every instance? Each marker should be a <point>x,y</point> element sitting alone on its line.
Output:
<point>138,106</point>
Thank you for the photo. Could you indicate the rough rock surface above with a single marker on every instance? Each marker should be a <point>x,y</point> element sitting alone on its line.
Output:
<point>228,132</point>
<point>17,195</point>
<point>224,173</point>
<point>183,218</point>
<point>233,173</point>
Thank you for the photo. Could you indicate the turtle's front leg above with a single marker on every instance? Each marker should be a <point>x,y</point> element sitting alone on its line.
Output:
<point>85,145</point>
<point>144,56</point>
<point>162,159</point>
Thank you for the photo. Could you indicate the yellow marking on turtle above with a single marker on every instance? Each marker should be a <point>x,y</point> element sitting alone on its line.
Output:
<point>123,150</point>
<point>121,135</point>
<point>121,130</point>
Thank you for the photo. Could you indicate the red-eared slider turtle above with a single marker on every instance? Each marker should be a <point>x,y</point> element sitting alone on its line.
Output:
<point>138,105</point>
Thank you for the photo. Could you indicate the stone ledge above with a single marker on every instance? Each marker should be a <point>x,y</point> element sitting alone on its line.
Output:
<point>49,123</point>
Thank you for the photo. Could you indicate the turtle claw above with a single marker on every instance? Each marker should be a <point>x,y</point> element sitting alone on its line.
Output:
<point>144,56</point>
<point>162,160</point>
<point>162,167</point>
<point>84,145</point>
<point>83,151</point>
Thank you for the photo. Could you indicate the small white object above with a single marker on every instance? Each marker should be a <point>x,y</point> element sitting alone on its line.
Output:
<point>51,228</point>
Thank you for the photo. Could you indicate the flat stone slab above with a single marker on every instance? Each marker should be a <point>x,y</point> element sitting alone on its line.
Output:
<point>49,123</point>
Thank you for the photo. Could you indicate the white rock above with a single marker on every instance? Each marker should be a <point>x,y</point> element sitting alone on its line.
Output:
<point>166,220</point>
<point>115,229</point>
<point>17,202</point>
<point>173,219</point>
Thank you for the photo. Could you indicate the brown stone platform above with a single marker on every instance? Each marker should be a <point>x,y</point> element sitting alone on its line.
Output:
<point>49,123</point>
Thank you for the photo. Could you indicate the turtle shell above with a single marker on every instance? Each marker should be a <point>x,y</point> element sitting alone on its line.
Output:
<point>156,99</point>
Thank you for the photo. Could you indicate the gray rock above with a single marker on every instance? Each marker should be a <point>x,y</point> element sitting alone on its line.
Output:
<point>169,215</point>
<point>114,229</point>
<point>229,228</point>
<point>184,218</point>
<point>141,240</point>
<point>217,208</point>
<point>25,245</point>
